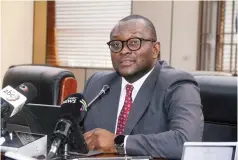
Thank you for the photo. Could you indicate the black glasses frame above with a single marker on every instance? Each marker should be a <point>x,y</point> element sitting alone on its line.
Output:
<point>123,42</point>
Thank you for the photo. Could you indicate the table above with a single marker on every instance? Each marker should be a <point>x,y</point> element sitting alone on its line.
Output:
<point>116,155</point>
<point>98,156</point>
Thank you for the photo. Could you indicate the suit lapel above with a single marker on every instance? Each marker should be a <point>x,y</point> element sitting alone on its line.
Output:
<point>142,100</point>
<point>109,105</point>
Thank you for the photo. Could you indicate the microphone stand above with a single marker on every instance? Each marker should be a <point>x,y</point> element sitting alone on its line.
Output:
<point>61,134</point>
<point>4,131</point>
<point>66,150</point>
<point>61,153</point>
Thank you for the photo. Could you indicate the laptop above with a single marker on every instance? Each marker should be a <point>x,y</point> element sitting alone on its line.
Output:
<point>41,119</point>
<point>210,151</point>
<point>34,118</point>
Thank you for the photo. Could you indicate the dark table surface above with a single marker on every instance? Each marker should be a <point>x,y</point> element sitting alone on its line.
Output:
<point>106,156</point>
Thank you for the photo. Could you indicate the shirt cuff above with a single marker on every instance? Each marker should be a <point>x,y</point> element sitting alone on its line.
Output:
<point>126,136</point>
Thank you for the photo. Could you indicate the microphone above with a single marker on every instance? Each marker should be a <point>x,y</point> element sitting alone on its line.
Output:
<point>103,91</point>
<point>68,125</point>
<point>12,100</point>
<point>68,129</point>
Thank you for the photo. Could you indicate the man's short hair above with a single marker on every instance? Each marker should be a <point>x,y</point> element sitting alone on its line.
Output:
<point>148,24</point>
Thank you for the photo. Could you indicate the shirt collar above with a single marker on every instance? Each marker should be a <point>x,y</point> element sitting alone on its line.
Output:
<point>137,84</point>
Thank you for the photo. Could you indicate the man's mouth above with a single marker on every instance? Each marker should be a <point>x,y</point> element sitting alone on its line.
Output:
<point>126,62</point>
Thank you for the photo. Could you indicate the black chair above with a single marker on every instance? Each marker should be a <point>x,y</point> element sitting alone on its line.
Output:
<point>219,100</point>
<point>53,84</point>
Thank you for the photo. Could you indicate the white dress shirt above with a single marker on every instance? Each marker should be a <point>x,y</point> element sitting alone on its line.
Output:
<point>136,87</point>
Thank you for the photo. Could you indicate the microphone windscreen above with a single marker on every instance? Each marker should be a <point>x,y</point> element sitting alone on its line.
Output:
<point>74,107</point>
<point>28,90</point>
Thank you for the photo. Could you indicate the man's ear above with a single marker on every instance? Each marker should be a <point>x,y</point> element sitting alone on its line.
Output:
<point>156,50</point>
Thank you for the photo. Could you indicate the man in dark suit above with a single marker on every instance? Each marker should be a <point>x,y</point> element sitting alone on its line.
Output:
<point>151,108</point>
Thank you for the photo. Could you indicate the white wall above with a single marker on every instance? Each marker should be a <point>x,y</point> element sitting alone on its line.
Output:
<point>159,12</point>
<point>16,34</point>
<point>185,34</point>
<point>176,23</point>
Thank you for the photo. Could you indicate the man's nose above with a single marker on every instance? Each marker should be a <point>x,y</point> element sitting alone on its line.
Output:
<point>125,49</point>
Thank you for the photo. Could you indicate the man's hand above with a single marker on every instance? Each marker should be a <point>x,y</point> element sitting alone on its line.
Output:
<point>100,139</point>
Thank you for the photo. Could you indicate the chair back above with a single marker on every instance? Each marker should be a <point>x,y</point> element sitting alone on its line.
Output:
<point>219,100</point>
<point>53,84</point>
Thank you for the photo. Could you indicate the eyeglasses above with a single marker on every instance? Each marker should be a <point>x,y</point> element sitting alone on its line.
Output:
<point>133,44</point>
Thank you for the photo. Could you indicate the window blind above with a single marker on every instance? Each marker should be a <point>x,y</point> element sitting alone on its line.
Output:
<point>82,29</point>
<point>230,57</point>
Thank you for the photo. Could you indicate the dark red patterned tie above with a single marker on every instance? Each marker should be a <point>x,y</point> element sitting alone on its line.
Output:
<point>125,110</point>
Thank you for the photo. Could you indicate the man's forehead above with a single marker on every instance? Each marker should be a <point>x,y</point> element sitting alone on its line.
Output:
<point>137,27</point>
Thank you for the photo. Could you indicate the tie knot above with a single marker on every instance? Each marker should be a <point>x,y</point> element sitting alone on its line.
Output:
<point>129,88</point>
